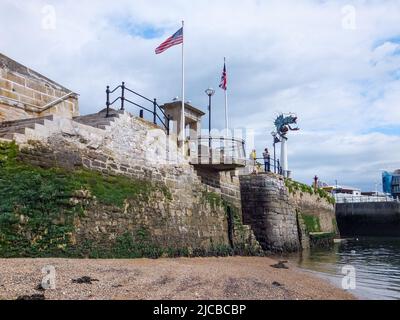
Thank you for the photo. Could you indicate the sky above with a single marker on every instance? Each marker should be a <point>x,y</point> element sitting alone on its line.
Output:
<point>336,64</point>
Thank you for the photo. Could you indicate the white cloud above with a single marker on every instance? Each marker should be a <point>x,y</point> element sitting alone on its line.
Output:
<point>282,56</point>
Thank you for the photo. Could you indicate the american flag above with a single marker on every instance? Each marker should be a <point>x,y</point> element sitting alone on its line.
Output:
<point>174,40</point>
<point>224,79</point>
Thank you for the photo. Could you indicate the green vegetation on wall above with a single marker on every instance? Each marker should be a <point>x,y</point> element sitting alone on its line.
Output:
<point>312,223</point>
<point>37,211</point>
<point>40,208</point>
<point>213,199</point>
<point>241,245</point>
<point>294,186</point>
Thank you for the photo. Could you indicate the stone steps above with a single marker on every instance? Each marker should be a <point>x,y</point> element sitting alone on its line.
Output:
<point>19,128</point>
<point>99,120</point>
<point>9,128</point>
<point>23,122</point>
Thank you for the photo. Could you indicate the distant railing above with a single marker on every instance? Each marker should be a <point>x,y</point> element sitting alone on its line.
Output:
<point>217,150</point>
<point>359,199</point>
<point>269,164</point>
<point>155,110</point>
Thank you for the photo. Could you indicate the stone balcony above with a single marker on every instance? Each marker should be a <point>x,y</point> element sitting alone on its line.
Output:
<point>217,153</point>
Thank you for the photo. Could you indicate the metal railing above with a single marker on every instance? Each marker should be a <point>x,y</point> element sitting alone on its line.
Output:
<point>57,101</point>
<point>361,198</point>
<point>26,106</point>
<point>217,150</point>
<point>155,110</point>
<point>270,164</point>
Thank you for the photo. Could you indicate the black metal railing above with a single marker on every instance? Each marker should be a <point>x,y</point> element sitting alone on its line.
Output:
<point>270,164</point>
<point>155,110</point>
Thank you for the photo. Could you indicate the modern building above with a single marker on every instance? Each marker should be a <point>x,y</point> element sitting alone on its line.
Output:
<point>342,190</point>
<point>391,183</point>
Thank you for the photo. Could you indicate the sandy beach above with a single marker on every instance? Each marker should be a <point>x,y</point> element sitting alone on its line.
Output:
<point>167,279</point>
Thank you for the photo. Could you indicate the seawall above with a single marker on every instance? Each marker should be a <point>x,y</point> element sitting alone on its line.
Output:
<point>286,218</point>
<point>368,219</point>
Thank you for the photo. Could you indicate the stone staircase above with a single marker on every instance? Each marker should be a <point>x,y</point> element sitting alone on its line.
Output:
<point>98,120</point>
<point>9,128</point>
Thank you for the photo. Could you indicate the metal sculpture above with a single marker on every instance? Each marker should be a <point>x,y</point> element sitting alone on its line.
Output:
<point>283,124</point>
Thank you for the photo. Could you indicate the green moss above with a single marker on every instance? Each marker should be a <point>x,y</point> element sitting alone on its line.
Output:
<point>312,223</point>
<point>213,198</point>
<point>294,186</point>
<point>322,235</point>
<point>37,215</point>
<point>335,226</point>
<point>8,153</point>
<point>323,194</point>
<point>110,190</point>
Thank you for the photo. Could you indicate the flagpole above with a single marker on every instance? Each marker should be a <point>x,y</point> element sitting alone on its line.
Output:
<point>183,92</point>
<point>226,106</point>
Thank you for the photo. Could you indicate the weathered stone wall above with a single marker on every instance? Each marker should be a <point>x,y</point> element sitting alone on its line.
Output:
<point>192,215</point>
<point>230,187</point>
<point>24,92</point>
<point>314,205</point>
<point>171,223</point>
<point>266,207</point>
<point>380,219</point>
<point>227,184</point>
<point>224,182</point>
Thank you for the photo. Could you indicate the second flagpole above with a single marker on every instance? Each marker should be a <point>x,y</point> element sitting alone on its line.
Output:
<point>226,104</point>
<point>183,91</point>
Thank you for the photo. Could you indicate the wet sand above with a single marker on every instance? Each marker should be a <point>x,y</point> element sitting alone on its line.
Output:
<point>166,279</point>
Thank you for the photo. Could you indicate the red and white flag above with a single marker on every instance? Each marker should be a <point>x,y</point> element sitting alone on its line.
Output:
<point>174,40</point>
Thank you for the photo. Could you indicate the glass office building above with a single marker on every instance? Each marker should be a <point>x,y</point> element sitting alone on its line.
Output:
<point>391,183</point>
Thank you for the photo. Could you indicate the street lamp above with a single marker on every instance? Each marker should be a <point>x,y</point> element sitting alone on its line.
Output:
<point>210,92</point>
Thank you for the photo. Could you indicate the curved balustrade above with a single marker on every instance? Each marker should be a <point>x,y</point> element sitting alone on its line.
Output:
<point>218,152</point>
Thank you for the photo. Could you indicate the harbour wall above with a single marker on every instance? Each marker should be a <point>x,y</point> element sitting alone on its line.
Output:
<point>368,219</point>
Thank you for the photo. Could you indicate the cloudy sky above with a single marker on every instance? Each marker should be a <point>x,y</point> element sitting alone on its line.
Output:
<point>336,64</point>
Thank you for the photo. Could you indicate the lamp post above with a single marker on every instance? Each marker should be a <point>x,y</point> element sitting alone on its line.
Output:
<point>209,92</point>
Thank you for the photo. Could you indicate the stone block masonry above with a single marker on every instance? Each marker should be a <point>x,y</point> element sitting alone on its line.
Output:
<point>313,205</point>
<point>24,92</point>
<point>181,214</point>
<point>200,208</point>
<point>266,207</point>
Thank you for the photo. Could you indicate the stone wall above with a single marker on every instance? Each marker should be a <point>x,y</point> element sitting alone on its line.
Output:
<point>170,222</point>
<point>380,219</point>
<point>24,93</point>
<point>224,182</point>
<point>227,184</point>
<point>314,205</point>
<point>191,216</point>
<point>266,207</point>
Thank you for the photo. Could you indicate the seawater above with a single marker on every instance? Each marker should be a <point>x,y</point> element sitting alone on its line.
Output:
<point>376,262</point>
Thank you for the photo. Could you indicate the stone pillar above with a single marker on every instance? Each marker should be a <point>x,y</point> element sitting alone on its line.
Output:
<point>267,208</point>
<point>284,158</point>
